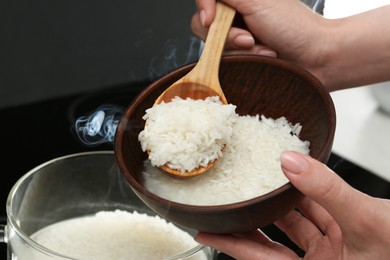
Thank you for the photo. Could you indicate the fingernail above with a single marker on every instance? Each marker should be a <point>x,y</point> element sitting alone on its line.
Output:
<point>245,41</point>
<point>293,162</point>
<point>269,53</point>
<point>202,16</point>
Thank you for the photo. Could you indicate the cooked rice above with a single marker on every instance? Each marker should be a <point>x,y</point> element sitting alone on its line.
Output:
<point>116,235</point>
<point>185,134</point>
<point>250,165</point>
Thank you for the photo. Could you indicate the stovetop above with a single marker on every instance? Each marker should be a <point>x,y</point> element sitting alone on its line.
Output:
<point>35,133</point>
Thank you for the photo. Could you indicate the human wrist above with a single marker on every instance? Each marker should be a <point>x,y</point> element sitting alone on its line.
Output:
<point>355,50</point>
<point>318,54</point>
<point>333,70</point>
<point>325,50</point>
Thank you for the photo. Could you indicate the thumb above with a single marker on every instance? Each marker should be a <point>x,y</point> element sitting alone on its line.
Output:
<point>318,182</point>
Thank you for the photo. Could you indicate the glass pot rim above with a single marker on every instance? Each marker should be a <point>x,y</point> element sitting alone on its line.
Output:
<point>13,223</point>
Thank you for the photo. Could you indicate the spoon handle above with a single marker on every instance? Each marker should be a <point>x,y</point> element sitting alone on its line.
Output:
<point>206,70</point>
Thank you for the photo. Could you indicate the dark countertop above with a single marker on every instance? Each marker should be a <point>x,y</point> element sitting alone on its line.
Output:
<point>38,132</point>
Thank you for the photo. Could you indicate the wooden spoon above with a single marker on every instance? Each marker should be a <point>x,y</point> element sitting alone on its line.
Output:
<point>203,80</point>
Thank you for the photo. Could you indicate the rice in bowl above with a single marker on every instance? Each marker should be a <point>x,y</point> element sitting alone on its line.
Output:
<point>249,167</point>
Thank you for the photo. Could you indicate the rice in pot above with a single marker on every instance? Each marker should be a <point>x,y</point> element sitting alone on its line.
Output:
<point>117,234</point>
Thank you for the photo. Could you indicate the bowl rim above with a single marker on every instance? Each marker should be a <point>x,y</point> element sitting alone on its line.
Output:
<point>287,65</point>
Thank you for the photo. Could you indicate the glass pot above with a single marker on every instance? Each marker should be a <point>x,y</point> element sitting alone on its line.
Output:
<point>69,187</point>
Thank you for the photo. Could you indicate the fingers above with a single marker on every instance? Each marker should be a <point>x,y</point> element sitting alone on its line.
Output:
<point>260,237</point>
<point>206,11</point>
<point>319,216</point>
<point>197,28</point>
<point>246,247</point>
<point>239,41</point>
<point>299,229</point>
<point>237,38</point>
<point>309,227</point>
<point>319,183</point>
<point>256,50</point>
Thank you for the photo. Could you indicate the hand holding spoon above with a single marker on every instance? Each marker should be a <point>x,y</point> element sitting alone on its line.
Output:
<point>203,80</point>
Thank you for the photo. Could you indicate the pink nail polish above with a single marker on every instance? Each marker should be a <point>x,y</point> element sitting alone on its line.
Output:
<point>269,53</point>
<point>293,162</point>
<point>245,41</point>
<point>202,16</point>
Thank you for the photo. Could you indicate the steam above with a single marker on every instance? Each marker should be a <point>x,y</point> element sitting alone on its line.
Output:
<point>169,58</point>
<point>100,126</point>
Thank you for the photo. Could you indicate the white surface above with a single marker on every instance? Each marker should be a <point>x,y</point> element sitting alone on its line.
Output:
<point>342,8</point>
<point>363,130</point>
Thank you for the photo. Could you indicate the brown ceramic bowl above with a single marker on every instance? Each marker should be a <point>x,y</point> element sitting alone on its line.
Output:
<point>256,85</point>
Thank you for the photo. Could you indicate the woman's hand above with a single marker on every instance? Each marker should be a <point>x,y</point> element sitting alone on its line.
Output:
<point>265,29</point>
<point>341,53</point>
<point>334,221</point>
<point>239,41</point>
